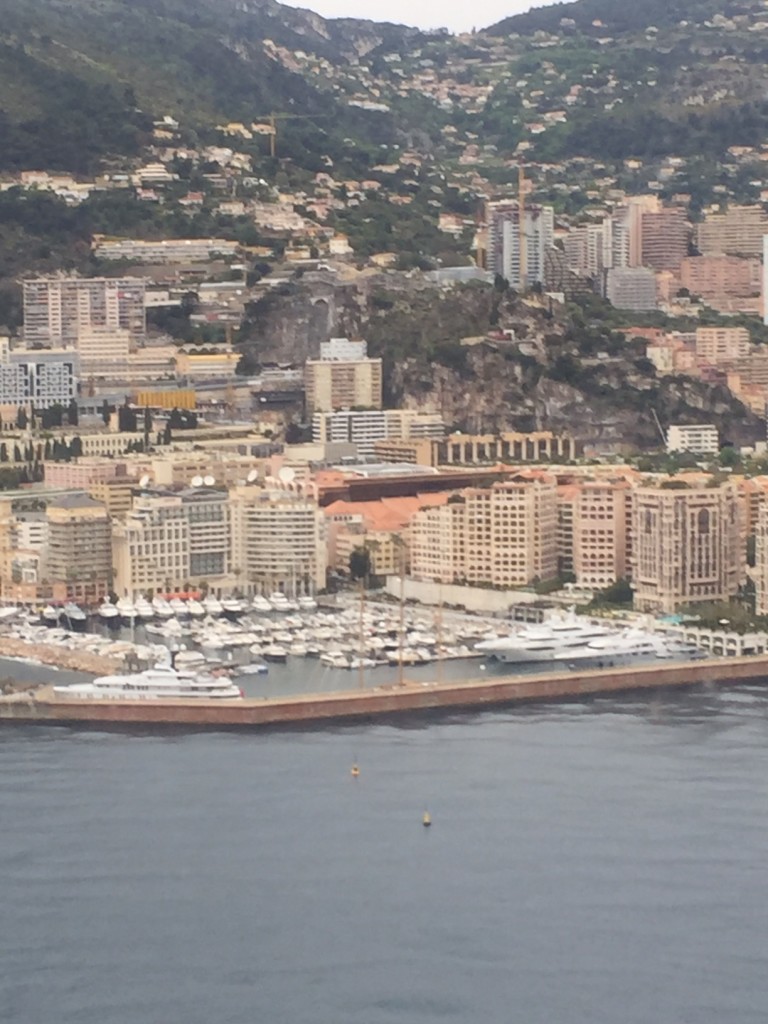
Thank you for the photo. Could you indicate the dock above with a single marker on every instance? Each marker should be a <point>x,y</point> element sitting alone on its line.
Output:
<point>41,705</point>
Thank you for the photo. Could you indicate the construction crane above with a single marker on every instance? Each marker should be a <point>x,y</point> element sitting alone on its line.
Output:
<point>273,118</point>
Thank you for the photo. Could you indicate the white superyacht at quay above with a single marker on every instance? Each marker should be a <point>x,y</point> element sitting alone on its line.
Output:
<point>159,683</point>
<point>571,639</point>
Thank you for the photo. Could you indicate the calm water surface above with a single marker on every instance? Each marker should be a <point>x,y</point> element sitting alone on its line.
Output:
<point>601,863</point>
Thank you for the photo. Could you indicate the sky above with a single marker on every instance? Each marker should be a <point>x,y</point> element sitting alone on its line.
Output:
<point>456,15</point>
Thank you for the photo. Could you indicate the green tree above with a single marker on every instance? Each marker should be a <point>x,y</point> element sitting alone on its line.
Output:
<point>360,563</point>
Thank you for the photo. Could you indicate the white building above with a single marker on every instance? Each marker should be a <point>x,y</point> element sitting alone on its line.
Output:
<point>701,439</point>
<point>632,288</point>
<point>343,350</point>
<point>365,427</point>
<point>504,243</point>
<point>37,378</point>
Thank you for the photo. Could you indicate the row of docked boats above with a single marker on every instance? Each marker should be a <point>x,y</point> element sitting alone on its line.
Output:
<point>133,611</point>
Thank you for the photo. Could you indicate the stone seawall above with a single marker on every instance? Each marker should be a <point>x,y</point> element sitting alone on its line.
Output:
<point>44,706</point>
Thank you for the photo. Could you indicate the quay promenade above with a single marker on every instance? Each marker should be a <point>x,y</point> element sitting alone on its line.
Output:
<point>44,706</point>
<point>59,657</point>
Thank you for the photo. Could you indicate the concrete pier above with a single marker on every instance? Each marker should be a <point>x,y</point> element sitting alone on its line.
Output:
<point>44,706</point>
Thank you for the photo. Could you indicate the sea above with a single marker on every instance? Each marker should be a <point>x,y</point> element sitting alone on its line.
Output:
<point>598,862</point>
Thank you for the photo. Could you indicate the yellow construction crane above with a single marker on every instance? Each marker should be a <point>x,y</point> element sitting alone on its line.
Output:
<point>273,118</point>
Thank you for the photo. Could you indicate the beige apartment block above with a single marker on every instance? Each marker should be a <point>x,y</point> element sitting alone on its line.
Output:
<point>79,553</point>
<point>278,541</point>
<point>150,547</point>
<point>717,345</point>
<point>761,561</point>
<point>737,232</point>
<point>717,278</point>
<point>332,385</point>
<point>501,536</point>
<point>104,352</point>
<point>688,545</point>
<point>664,239</point>
<point>600,532</point>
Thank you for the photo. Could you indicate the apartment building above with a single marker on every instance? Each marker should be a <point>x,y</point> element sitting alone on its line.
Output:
<point>79,549</point>
<point>150,547</point>
<point>38,378</point>
<point>501,536</point>
<point>737,232</point>
<point>760,574</point>
<point>169,250</point>
<point>364,428</point>
<point>58,309</point>
<point>632,288</point>
<point>698,438</point>
<point>333,382</point>
<point>522,265</point>
<point>599,532</point>
<point>688,546</point>
<point>717,345</point>
<point>278,541</point>
<point>719,279</point>
<point>664,239</point>
<point>104,352</point>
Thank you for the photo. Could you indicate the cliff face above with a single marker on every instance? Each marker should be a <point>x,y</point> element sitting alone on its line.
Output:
<point>550,372</point>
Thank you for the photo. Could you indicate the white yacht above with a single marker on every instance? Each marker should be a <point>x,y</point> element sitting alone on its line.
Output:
<point>261,605</point>
<point>162,609</point>
<point>179,607</point>
<point>307,604</point>
<point>212,606</point>
<point>144,609</point>
<point>233,607</point>
<point>74,616</point>
<point>279,602</point>
<point>557,639</point>
<point>195,608</point>
<point>158,683</point>
<point>575,641</point>
<point>109,614</point>
<point>50,615</point>
<point>127,610</point>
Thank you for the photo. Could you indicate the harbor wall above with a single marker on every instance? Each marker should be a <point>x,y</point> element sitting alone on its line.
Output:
<point>44,706</point>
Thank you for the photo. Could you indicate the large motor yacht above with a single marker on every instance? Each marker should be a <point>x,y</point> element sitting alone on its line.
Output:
<point>570,639</point>
<point>158,683</point>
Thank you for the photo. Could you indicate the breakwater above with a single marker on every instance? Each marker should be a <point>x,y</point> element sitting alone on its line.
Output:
<point>45,706</point>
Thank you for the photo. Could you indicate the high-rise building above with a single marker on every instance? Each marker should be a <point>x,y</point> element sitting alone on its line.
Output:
<point>278,541</point>
<point>150,547</point>
<point>504,254</point>
<point>761,560</point>
<point>336,381</point>
<point>664,239</point>
<point>504,535</point>
<point>600,532</point>
<point>79,552</point>
<point>688,546</point>
<point>58,309</point>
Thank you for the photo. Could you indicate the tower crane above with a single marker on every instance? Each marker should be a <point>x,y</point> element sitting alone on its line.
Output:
<point>273,118</point>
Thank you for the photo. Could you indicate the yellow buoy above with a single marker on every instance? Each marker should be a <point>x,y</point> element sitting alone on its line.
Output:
<point>355,772</point>
<point>426,820</point>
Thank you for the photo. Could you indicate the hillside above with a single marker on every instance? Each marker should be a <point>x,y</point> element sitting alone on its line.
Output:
<point>83,79</point>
